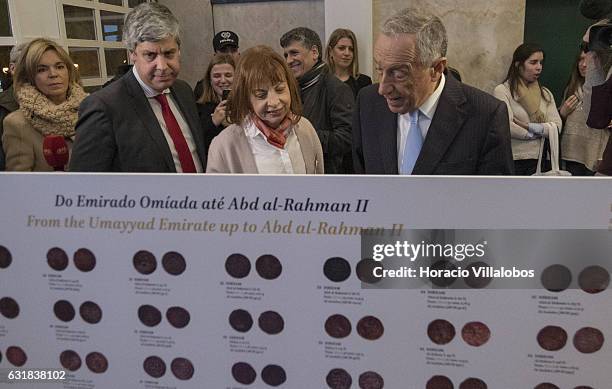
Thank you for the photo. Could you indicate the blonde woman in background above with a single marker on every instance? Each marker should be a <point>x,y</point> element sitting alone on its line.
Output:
<point>342,59</point>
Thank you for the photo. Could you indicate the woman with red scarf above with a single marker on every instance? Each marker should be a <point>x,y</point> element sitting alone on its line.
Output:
<point>268,134</point>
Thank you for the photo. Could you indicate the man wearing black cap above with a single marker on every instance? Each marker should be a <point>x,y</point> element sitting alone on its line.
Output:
<point>224,42</point>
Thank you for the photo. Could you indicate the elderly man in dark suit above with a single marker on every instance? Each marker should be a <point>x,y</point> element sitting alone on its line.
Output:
<point>417,121</point>
<point>147,121</point>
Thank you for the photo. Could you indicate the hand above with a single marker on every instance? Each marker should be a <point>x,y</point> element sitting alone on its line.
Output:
<point>569,106</point>
<point>521,123</point>
<point>220,112</point>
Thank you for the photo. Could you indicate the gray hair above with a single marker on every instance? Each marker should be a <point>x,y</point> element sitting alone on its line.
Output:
<point>307,37</point>
<point>150,22</point>
<point>16,52</point>
<point>431,39</point>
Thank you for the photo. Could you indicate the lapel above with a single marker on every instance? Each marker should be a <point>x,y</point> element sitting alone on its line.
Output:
<point>149,120</point>
<point>244,154</point>
<point>386,122</point>
<point>306,148</point>
<point>191,117</point>
<point>447,122</point>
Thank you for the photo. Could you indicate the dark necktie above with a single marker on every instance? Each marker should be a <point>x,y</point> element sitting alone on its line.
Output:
<point>180,144</point>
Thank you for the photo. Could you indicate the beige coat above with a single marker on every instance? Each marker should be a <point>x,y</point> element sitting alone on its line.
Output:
<point>230,151</point>
<point>523,148</point>
<point>23,145</point>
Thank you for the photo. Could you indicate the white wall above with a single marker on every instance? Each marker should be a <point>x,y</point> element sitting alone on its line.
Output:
<point>355,15</point>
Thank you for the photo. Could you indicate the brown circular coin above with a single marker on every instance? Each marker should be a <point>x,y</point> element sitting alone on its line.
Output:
<point>57,259</point>
<point>84,260</point>
<point>182,368</point>
<point>149,315</point>
<point>174,263</point>
<point>244,373</point>
<point>178,317</point>
<point>475,333</point>
<point>556,278</point>
<point>237,266</point>
<point>337,269</point>
<point>370,328</point>
<point>583,387</point>
<point>473,383</point>
<point>96,362</point>
<point>594,279</point>
<point>5,257</point>
<point>439,382</point>
<point>271,322</point>
<point>338,326</point>
<point>90,312</point>
<point>154,366</point>
<point>588,340</point>
<point>273,375</point>
<point>9,307</point>
<point>371,380</point>
<point>338,379</point>
<point>144,262</point>
<point>64,310</point>
<point>70,360</point>
<point>268,267</point>
<point>546,385</point>
<point>16,356</point>
<point>240,320</point>
<point>477,278</point>
<point>365,271</point>
<point>440,331</point>
<point>552,338</point>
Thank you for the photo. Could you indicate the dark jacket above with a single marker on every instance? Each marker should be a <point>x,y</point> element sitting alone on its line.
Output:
<point>8,104</point>
<point>328,105</point>
<point>357,83</point>
<point>205,112</point>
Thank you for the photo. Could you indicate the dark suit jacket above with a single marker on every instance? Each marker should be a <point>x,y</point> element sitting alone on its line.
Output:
<point>117,130</point>
<point>469,134</point>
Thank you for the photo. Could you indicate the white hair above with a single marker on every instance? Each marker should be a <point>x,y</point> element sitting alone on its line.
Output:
<point>150,22</point>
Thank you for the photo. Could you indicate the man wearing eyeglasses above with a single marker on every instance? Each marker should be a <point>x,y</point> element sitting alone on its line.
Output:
<point>416,120</point>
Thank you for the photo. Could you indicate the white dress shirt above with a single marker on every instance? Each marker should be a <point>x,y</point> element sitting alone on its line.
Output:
<point>426,114</point>
<point>156,107</point>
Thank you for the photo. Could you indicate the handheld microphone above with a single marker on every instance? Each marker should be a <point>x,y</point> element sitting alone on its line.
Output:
<point>55,151</point>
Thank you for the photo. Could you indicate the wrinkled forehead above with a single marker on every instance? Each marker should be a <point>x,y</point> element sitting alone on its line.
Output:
<point>395,49</point>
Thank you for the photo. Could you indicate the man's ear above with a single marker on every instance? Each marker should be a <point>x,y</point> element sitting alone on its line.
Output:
<point>438,68</point>
<point>132,55</point>
<point>314,51</point>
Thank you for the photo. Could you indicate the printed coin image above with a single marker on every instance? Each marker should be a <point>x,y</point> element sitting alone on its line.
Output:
<point>371,380</point>
<point>338,379</point>
<point>178,317</point>
<point>268,267</point>
<point>182,368</point>
<point>0,356</point>
<point>241,320</point>
<point>64,310</point>
<point>9,307</point>
<point>149,315</point>
<point>475,333</point>
<point>365,271</point>
<point>443,281</point>
<point>57,259</point>
<point>144,262</point>
<point>16,356</point>
<point>370,328</point>
<point>473,383</point>
<point>338,326</point>
<point>337,269</point>
<point>588,340</point>
<point>271,322</point>
<point>70,360</point>
<point>5,257</point>
<point>174,263</point>
<point>552,338</point>
<point>556,278</point>
<point>273,375</point>
<point>154,366</point>
<point>546,385</point>
<point>477,278</point>
<point>583,387</point>
<point>244,373</point>
<point>594,279</point>
<point>96,362</point>
<point>440,331</point>
<point>439,382</point>
<point>90,312</point>
<point>237,266</point>
<point>84,260</point>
